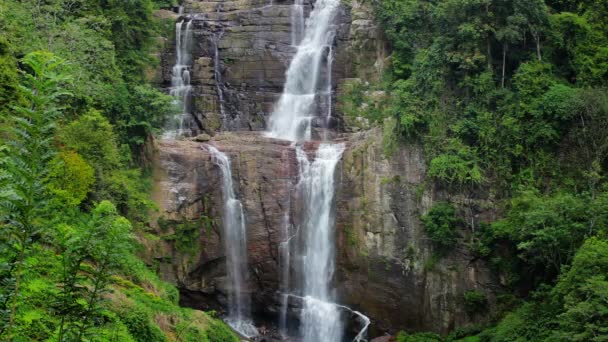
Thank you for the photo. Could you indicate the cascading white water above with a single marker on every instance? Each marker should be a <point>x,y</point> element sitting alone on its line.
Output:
<point>291,119</point>
<point>330,63</point>
<point>320,317</point>
<point>285,264</point>
<point>297,22</point>
<point>235,243</point>
<point>217,69</point>
<point>180,80</point>
<point>292,116</point>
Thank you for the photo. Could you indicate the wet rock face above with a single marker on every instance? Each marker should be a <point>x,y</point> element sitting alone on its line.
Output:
<point>386,267</point>
<point>254,47</point>
<point>188,192</point>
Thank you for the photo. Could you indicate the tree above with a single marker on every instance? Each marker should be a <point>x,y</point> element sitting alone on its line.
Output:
<point>92,253</point>
<point>583,290</point>
<point>24,156</point>
<point>70,178</point>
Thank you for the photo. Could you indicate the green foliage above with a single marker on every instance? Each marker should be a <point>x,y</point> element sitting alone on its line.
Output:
<point>23,192</point>
<point>490,87</point>
<point>70,178</point>
<point>108,46</point>
<point>546,230</point>
<point>140,326</point>
<point>9,82</point>
<point>91,255</point>
<point>457,167</point>
<point>441,225</point>
<point>574,310</point>
<point>67,262</point>
<point>581,291</point>
<point>92,136</point>
<point>185,234</point>
<point>219,332</point>
<point>475,301</point>
<point>418,337</point>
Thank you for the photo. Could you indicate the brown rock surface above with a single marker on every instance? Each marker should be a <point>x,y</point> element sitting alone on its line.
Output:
<point>254,53</point>
<point>383,254</point>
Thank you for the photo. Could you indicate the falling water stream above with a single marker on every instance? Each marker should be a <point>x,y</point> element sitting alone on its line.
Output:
<point>235,243</point>
<point>292,116</point>
<point>292,119</point>
<point>180,80</point>
<point>320,319</point>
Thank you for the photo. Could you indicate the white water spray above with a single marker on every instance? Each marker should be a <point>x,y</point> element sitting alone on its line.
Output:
<point>320,317</point>
<point>297,22</point>
<point>180,80</point>
<point>217,69</point>
<point>235,242</point>
<point>292,116</point>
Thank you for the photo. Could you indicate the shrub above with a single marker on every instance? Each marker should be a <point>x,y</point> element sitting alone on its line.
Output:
<point>219,332</point>
<point>474,301</point>
<point>140,326</point>
<point>440,225</point>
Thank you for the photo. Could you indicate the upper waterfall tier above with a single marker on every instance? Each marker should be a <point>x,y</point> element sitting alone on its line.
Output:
<point>303,76</point>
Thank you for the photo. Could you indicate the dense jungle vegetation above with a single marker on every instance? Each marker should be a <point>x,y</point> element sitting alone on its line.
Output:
<point>75,114</point>
<point>509,100</point>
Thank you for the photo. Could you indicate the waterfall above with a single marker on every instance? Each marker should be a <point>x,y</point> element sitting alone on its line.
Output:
<point>217,69</point>
<point>297,22</point>
<point>235,243</point>
<point>180,80</point>
<point>330,62</point>
<point>285,264</point>
<point>320,317</point>
<point>292,119</point>
<point>292,116</point>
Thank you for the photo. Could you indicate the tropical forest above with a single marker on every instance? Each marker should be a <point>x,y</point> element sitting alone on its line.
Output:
<point>304,170</point>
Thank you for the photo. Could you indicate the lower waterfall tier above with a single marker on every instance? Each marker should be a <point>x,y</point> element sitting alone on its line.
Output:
<point>382,253</point>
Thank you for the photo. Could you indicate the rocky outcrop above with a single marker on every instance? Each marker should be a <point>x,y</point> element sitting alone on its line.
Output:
<point>188,192</point>
<point>252,41</point>
<point>387,268</point>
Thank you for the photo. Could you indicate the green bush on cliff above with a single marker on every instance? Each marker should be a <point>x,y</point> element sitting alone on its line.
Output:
<point>441,224</point>
<point>475,301</point>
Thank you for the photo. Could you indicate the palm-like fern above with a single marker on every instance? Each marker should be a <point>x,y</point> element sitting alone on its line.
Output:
<point>25,150</point>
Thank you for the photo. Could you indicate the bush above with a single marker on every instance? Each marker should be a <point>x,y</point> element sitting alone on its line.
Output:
<point>475,301</point>
<point>219,332</point>
<point>418,337</point>
<point>440,225</point>
<point>140,326</point>
<point>70,178</point>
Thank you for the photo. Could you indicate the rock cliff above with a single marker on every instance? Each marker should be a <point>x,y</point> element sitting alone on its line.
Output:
<point>386,266</point>
<point>243,48</point>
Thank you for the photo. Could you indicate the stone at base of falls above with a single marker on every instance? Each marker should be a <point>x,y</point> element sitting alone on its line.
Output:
<point>202,137</point>
<point>383,255</point>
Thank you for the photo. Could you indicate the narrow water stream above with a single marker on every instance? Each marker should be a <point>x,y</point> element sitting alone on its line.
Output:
<point>235,244</point>
<point>180,81</point>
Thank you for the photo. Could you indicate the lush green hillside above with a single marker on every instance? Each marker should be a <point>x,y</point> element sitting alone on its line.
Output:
<point>509,101</point>
<point>75,111</point>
